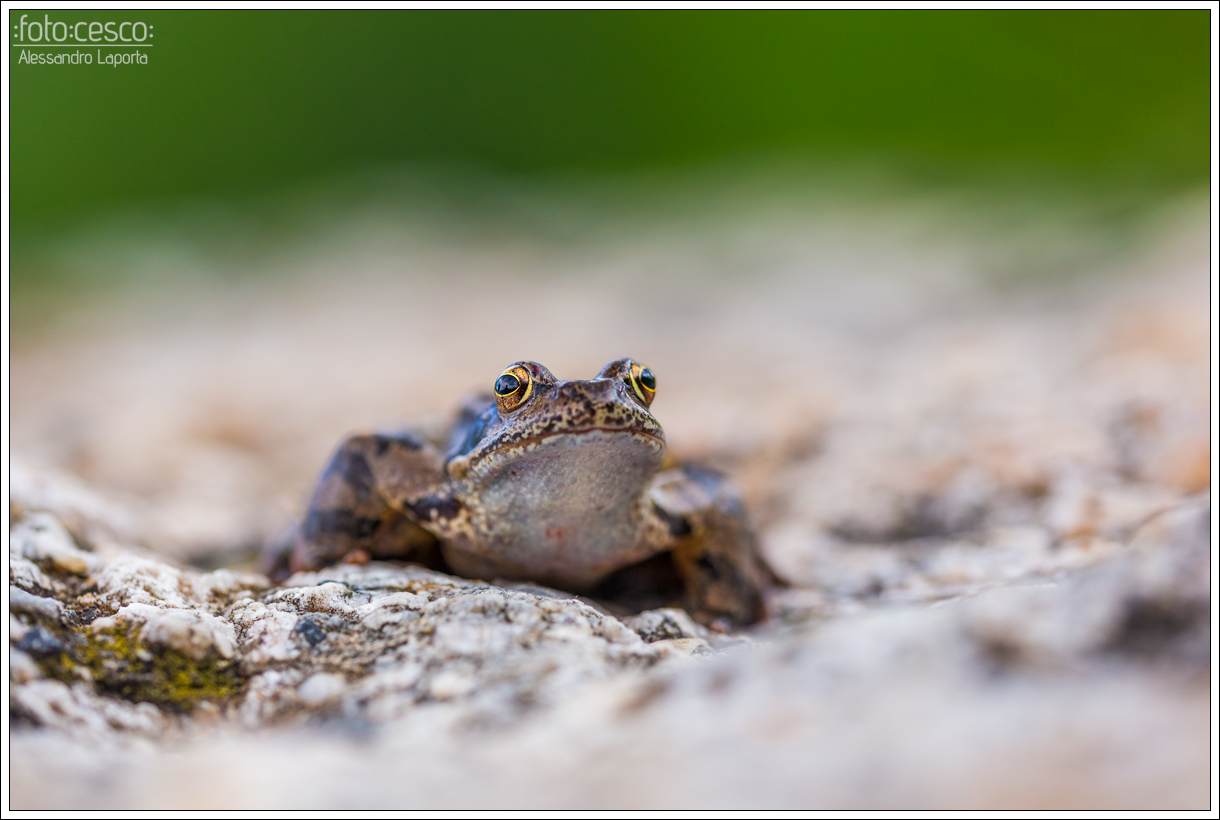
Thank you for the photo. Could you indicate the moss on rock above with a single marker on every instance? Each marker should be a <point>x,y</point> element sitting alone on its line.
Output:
<point>120,664</point>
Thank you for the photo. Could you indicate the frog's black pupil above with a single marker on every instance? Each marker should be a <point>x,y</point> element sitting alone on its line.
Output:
<point>647,379</point>
<point>507,385</point>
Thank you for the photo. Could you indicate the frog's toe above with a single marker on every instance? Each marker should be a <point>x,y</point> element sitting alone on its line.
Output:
<point>275,559</point>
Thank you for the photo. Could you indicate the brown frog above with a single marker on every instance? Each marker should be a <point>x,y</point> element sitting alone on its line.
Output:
<point>557,482</point>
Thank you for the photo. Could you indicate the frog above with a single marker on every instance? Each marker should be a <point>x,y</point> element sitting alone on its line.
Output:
<point>562,483</point>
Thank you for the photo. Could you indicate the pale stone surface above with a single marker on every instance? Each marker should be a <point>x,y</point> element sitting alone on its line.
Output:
<point>381,686</point>
<point>193,633</point>
<point>988,508</point>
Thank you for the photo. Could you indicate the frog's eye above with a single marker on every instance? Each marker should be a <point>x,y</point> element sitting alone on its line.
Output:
<point>643,383</point>
<point>513,387</point>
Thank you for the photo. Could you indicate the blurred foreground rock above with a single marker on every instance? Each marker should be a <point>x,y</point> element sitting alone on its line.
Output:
<point>138,684</point>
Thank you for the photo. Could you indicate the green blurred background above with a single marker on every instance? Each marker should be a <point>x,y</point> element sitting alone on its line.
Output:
<point>234,104</point>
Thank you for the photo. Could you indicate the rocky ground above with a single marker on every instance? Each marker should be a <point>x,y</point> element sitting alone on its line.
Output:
<point>988,499</point>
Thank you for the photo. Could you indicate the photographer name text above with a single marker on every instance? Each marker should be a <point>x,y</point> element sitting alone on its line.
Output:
<point>46,42</point>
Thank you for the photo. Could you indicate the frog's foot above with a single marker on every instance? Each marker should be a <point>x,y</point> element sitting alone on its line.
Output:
<point>361,505</point>
<point>714,551</point>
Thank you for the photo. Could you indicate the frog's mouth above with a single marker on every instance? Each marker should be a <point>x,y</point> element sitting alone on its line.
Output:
<point>532,442</point>
<point>586,442</point>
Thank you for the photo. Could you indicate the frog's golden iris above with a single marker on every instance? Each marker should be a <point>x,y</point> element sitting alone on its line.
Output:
<point>643,383</point>
<point>513,388</point>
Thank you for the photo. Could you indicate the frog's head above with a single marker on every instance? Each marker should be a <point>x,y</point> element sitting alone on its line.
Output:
<point>601,426</point>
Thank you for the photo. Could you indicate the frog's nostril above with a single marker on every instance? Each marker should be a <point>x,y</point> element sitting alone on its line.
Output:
<point>603,388</point>
<point>596,389</point>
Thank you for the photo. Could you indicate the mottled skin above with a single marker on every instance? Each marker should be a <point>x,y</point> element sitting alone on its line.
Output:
<point>556,482</point>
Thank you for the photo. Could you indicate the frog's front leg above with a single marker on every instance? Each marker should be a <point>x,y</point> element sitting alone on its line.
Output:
<point>714,550</point>
<point>362,505</point>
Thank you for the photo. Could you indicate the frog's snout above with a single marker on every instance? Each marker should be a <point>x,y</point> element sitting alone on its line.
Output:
<point>596,390</point>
